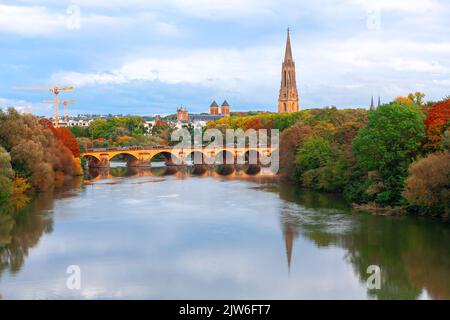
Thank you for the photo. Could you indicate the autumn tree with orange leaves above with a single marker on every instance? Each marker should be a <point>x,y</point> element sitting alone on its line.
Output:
<point>69,140</point>
<point>436,122</point>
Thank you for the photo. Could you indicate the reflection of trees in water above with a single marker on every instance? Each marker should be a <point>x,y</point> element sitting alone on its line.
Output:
<point>21,230</point>
<point>22,227</point>
<point>412,253</point>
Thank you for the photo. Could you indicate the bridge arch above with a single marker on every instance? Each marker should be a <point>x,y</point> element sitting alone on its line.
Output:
<point>195,157</point>
<point>224,157</point>
<point>92,161</point>
<point>166,156</point>
<point>252,156</point>
<point>129,158</point>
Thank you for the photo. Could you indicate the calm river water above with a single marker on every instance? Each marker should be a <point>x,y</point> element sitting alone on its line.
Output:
<point>162,233</point>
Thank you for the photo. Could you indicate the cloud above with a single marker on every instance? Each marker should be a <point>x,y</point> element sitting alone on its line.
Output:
<point>354,65</point>
<point>29,21</point>
<point>208,67</point>
<point>229,48</point>
<point>410,6</point>
<point>24,106</point>
<point>39,21</point>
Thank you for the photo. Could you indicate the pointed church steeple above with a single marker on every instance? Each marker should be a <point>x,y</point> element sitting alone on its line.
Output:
<point>372,106</point>
<point>288,96</point>
<point>288,53</point>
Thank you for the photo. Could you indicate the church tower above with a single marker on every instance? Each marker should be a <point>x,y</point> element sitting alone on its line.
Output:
<point>214,108</point>
<point>225,109</point>
<point>288,98</point>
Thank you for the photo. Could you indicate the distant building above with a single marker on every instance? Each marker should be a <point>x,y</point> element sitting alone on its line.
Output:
<point>214,108</point>
<point>288,97</point>
<point>225,109</point>
<point>215,113</point>
<point>182,114</point>
<point>73,123</point>
<point>372,105</point>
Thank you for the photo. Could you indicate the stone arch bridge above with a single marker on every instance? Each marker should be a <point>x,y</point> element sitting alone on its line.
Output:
<point>143,156</point>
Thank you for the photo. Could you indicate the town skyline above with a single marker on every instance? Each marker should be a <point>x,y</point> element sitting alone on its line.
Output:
<point>187,56</point>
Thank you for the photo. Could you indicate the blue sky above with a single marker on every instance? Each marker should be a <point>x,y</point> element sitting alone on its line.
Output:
<point>150,57</point>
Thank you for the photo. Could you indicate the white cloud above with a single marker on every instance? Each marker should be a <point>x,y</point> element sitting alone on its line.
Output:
<point>39,21</point>
<point>351,64</point>
<point>210,67</point>
<point>411,6</point>
<point>225,9</point>
<point>25,106</point>
<point>336,54</point>
<point>29,21</point>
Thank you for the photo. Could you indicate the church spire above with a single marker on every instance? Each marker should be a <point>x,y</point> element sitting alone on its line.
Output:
<point>372,106</point>
<point>288,96</point>
<point>288,53</point>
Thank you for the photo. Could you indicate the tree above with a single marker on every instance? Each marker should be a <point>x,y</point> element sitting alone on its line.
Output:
<point>69,140</point>
<point>289,142</point>
<point>403,100</point>
<point>254,123</point>
<point>428,185</point>
<point>36,153</point>
<point>388,144</point>
<point>417,98</point>
<point>313,153</point>
<point>321,165</point>
<point>80,132</point>
<point>6,174</point>
<point>437,121</point>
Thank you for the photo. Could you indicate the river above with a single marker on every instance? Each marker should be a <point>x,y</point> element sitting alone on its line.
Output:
<point>165,233</point>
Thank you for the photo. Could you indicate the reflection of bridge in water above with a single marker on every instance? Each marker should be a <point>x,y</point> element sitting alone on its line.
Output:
<point>220,171</point>
<point>143,157</point>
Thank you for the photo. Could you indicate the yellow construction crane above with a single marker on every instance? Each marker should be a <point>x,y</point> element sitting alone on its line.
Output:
<point>64,103</point>
<point>55,91</point>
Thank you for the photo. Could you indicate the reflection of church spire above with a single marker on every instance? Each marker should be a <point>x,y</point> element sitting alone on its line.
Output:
<point>289,242</point>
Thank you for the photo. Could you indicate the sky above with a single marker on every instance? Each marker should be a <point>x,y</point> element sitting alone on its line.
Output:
<point>148,57</point>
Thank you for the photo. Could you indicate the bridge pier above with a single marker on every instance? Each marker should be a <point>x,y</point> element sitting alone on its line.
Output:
<point>139,163</point>
<point>102,162</point>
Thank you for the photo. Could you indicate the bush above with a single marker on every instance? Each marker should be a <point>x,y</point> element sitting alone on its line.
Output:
<point>428,185</point>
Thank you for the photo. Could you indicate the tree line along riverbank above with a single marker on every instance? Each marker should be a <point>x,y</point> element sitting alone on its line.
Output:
<point>391,160</point>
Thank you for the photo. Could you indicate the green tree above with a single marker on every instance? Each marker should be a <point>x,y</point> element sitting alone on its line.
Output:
<point>388,144</point>
<point>313,153</point>
<point>6,174</point>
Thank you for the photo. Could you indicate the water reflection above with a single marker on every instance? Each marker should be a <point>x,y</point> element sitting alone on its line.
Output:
<point>216,232</point>
<point>412,253</point>
<point>225,170</point>
<point>21,230</point>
